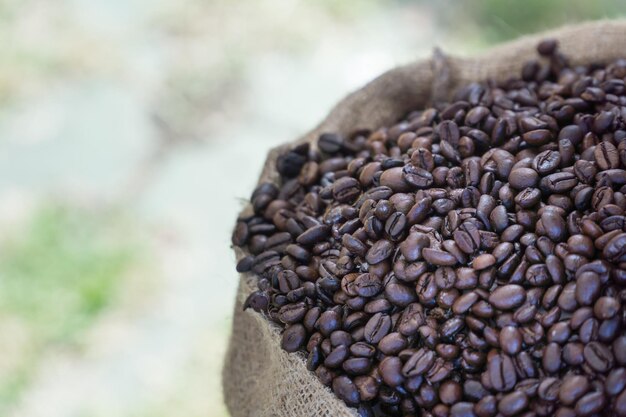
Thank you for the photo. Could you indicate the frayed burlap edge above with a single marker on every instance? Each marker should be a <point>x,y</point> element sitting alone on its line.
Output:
<point>260,379</point>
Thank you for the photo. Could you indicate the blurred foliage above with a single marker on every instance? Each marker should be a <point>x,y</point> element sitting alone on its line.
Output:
<point>57,274</point>
<point>499,20</point>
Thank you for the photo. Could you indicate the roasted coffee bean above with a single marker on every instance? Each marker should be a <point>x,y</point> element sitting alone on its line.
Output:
<point>329,142</point>
<point>379,251</point>
<point>419,363</point>
<point>508,297</point>
<point>590,404</point>
<point>294,337</point>
<point>345,389</point>
<point>572,388</point>
<point>416,176</point>
<point>439,257</point>
<point>521,178</point>
<point>377,328</point>
<point>502,373</point>
<point>606,156</point>
<point>468,260</point>
<point>513,403</point>
<point>510,340</point>
<point>598,356</point>
<point>390,370</point>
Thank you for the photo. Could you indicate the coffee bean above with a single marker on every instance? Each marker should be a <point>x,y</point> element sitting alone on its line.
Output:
<point>513,403</point>
<point>521,178</point>
<point>606,156</point>
<point>438,257</point>
<point>598,357</point>
<point>510,340</point>
<point>484,261</point>
<point>502,373</point>
<point>615,381</point>
<point>258,301</point>
<point>572,388</point>
<point>345,389</point>
<point>367,285</point>
<point>590,404</point>
<point>377,327</point>
<point>547,162</point>
<point>416,176</point>
<point>419,363</point>
<point>508,297</point>
<point>379,251</point>
<point>330,142</point>
<point>390,370</point>
<point>294,337</point>
<point>547,47</point>
<point>554,226</point>
<point>606,307</point>
<point>395,226</point>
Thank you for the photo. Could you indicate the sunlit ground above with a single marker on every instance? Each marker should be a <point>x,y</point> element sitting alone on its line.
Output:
<point>130,134</point>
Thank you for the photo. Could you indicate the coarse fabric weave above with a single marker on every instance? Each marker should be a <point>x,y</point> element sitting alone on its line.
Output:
<point>259,378</point>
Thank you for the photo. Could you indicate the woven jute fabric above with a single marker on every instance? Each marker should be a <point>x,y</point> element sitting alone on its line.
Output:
<point>259,378</point>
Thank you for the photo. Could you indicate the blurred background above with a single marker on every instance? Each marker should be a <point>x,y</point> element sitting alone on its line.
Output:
<point>131,132</point>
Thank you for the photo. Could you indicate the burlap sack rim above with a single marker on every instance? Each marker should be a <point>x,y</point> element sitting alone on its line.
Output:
<point>578,42</point>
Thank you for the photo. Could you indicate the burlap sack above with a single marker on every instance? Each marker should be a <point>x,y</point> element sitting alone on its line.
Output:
<point>259,378</point>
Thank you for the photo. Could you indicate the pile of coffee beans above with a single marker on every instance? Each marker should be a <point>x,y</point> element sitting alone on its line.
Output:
<point>469,260</point>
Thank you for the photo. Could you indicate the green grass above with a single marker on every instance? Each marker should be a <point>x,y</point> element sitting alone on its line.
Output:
<point>499,20</point>
<point>57,275</point>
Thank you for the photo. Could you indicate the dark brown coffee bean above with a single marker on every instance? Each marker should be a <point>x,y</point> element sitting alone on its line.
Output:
<point>294,338</point>
<point>377,327</point>
<point>330,142</point>
<point>513,403</point>
<point>615,381</point>
<point>395,226</point>
<point>328,322</point>
<point>554,226</point>
<point>292,313</point>
<point>438,257</point>
<point>528,197</point>
<point>392,344</point>
<point>314,235</point>
<point>572,388</point>
<point>606,156</point>
<point>606,307</point>
<point>521,178</point>
<point>546,162</point>
<point>502,373</point>
<point>559,182</point>
<point>367,285</point>
<point>258,301</point>
<point>419,363</point>
<point>537,137</point>
<point>467,237</point>
<point>336,357</point>
<point>416,176</point>
<point>590,404</point>
<point>551,361</point>
<point>510,340</point>
<point>483,261</point>
<point>615,249</point>
<point>598,356</point>
<point>507,297</point>
<point>379,251</point>
<point>464,303</point>
<point>390,370</point>
<point>345,389</point>
<point>486,407</point>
